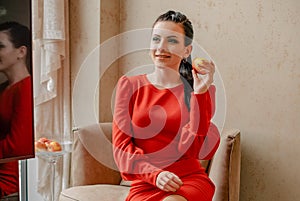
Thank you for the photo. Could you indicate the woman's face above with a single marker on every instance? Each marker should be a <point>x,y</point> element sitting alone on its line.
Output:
<point>8,53</point>
<point>167,45</point>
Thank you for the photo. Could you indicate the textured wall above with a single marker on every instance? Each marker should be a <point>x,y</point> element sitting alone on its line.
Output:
<point>256,48</point>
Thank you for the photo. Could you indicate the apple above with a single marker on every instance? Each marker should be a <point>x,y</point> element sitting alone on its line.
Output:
<point>44,140</point>
<point>196,64</point>
<point>54,146</point>
<point>40,146</point>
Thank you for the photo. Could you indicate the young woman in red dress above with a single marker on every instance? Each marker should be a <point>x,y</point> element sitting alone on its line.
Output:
<point>16,126</point>
<point>162,120</point>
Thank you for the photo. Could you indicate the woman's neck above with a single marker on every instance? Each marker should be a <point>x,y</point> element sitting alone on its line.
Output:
<point>165,78</point>
<point>16,74</point>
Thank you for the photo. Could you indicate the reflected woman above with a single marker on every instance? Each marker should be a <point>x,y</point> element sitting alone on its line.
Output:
<point>16,126</point>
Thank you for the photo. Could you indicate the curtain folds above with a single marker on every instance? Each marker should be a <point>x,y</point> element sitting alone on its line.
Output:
<point>51,84</point>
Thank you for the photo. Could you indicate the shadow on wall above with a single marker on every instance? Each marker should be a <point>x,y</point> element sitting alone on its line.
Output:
<point>259,173</point>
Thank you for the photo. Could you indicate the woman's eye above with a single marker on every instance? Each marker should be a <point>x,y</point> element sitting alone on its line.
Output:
<point>155,39</point>
<point>173,41</point>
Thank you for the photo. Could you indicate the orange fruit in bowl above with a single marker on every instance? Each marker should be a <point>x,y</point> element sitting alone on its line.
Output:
<point>54,146</point>
<point>40,146</point>
<point>44,140</point>
<point>45,144</point>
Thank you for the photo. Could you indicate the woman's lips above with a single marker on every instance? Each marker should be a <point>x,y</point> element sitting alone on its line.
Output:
<point>162,56</point>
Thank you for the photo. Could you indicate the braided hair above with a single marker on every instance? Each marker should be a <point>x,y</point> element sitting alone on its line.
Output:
<point>185,68</point>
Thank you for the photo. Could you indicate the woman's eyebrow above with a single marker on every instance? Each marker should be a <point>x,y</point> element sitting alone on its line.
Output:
<point>172,36</point>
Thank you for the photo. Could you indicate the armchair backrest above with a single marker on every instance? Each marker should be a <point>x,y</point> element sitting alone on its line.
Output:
<point>92,159</point>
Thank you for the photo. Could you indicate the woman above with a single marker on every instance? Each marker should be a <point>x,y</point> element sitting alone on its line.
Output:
<point>16,126</point>
<point>162,120</point>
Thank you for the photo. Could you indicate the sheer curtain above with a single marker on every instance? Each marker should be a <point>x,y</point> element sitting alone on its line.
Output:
<point>51,84</point>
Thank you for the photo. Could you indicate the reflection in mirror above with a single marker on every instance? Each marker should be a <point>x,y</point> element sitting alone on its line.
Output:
<point>16,99</point>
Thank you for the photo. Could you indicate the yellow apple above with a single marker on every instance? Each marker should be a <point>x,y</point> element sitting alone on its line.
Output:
<point>196,64</point>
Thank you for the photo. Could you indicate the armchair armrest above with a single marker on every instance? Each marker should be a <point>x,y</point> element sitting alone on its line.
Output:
<point>225,167</point>
<point>92,161</point>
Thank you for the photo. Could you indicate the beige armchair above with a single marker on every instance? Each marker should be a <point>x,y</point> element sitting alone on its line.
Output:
<point>94,175</point>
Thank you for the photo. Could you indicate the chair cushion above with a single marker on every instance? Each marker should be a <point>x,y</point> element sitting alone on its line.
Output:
<point>101,192</point>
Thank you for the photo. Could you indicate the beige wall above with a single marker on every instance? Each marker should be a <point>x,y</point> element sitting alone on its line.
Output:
<point>256,48</point>
<point>84,39</point>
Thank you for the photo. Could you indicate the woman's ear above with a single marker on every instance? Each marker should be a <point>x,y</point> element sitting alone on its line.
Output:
<point>22,52</point>
<point>188,51</point>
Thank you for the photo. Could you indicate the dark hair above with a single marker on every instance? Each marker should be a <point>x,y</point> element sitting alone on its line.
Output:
<point>185,68</point>
<point>19,35</point>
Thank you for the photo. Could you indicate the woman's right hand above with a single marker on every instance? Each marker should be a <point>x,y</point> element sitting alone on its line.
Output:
<point>168,181</point>
<point>203,82</point>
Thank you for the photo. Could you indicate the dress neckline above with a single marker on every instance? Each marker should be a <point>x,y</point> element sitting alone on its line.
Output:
<point>9,87</point>
<point>160,89</point>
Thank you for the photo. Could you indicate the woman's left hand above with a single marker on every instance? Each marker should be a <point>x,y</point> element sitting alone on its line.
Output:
<point>204,78</point>
<point>168,181</point>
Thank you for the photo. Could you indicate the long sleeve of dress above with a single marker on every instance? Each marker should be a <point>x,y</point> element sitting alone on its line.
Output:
<point>200,138</point>
<point>130,159</point>
<point>17,126</point>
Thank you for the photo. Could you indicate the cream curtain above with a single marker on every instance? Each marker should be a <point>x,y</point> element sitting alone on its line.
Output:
<point>51,85</point>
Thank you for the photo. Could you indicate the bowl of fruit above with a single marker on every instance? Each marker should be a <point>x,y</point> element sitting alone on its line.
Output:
<point>47,145</point>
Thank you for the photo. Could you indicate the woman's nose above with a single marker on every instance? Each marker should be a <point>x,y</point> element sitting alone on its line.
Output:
<point>162,45</point>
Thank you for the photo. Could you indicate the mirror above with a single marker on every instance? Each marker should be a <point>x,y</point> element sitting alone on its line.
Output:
<point>16,93</point>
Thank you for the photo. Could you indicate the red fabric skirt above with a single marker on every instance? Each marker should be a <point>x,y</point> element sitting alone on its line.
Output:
<point>196,185</point>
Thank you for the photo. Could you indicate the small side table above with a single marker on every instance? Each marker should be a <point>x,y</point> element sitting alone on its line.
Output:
<point>52,158</point>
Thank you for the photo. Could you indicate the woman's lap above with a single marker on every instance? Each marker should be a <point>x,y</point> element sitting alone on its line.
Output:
<point>195,187</point>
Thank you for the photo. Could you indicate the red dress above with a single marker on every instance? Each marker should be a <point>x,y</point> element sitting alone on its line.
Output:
<point>16,132</point>
<point>153,131</point>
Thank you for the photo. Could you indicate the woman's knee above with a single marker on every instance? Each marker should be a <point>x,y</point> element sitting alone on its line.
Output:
<point>174,198</point>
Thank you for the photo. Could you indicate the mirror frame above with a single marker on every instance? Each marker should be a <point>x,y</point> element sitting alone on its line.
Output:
<point>23,15</point>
